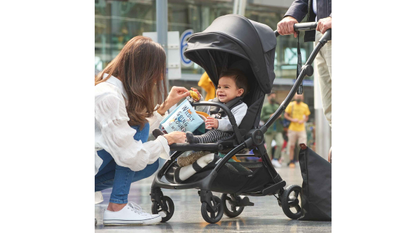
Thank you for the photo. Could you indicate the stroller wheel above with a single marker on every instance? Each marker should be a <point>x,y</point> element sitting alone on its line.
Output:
<point>212,213</point>
<point>230,201</point>
<point>167,212</point>
<point>291,202</point>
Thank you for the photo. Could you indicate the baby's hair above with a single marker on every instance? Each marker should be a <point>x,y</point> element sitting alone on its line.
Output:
<point>240,79</point>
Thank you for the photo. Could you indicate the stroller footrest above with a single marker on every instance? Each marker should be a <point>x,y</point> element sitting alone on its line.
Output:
<point>245,202</point>
<point>274,188</point>
<point>196,147</point>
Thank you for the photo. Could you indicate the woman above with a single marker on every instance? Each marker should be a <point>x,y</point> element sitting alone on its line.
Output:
<point>125,113</point>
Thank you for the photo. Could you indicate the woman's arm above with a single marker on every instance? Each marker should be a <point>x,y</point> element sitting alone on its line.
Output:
<point>175,95</point>
<point>127,151</point>
<point>117,136</point>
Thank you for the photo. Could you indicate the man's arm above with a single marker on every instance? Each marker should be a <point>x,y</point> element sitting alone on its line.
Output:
<point>306,114</point>
<point>298,10</point>
<point>304,120</point>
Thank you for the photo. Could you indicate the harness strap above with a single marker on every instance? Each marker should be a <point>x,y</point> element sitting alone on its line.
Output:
<point>299,64</point>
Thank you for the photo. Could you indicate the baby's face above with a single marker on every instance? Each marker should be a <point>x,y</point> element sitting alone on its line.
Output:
<point>227,89</point>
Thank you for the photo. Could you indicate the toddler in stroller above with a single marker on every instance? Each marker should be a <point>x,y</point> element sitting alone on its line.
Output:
<point>230,41</point>
<point>232,86</point>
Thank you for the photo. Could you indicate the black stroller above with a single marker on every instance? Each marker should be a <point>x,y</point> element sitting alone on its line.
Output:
<point>235,41</point>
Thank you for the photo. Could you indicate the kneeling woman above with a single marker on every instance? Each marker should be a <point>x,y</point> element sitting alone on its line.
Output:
<point>125,113</point>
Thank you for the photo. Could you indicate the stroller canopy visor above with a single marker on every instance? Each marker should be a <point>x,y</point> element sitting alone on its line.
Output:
<point>232,38</point>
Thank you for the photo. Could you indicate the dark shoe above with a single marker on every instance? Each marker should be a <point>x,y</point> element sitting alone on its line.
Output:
<point>191,138</point>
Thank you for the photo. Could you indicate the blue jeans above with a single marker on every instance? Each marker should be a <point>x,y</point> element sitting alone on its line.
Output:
<point>111,175</point>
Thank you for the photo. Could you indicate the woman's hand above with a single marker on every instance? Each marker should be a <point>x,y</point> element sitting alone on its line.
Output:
<point>175,137</point>
<point>286,26</point>
<point>211,123</point>
<point>175,95</point>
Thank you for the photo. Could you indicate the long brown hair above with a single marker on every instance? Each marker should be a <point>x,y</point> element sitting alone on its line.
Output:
<point>141,67</point>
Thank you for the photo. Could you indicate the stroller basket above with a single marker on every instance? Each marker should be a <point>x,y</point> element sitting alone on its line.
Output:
<point>234,177</point>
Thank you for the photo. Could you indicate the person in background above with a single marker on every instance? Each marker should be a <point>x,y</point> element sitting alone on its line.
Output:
<point>275,131</point>
<point>318,11</point>
<point>125,112</point>
<point>297,112</point>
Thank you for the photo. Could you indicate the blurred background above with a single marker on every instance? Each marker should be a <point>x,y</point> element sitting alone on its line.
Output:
<point>117,21</point>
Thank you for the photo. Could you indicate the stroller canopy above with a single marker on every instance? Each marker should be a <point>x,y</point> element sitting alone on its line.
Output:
<point>233,41</point>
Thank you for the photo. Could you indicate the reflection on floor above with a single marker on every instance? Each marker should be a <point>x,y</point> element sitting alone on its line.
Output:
<point>265,216</point>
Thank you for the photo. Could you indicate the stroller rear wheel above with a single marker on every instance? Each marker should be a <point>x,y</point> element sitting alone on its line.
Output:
<point>291,202</point>
<point>167,211</point>
<point>234,210</point>
<point>213,211</point>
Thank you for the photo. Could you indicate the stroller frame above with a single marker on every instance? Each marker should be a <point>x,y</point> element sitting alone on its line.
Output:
<point>212,206</point>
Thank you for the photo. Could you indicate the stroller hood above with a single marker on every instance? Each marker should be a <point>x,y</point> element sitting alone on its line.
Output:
<point>231,38</point>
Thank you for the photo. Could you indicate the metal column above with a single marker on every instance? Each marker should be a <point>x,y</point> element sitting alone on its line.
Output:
<point>239,7</point>
<point>161,24</point>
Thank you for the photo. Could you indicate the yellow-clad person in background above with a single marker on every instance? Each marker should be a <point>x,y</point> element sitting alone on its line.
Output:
<point>208,86</point>
<point>297,112</point>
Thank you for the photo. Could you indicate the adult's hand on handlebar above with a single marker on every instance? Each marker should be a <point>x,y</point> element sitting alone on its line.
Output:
<point>324,24</point>
<point>175,137</point>
<point>286,26</point>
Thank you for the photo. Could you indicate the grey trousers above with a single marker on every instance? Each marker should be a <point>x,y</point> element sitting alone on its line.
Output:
<point>212,136</point>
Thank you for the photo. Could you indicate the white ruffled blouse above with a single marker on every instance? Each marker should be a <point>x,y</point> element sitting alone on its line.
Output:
<point>113,134</point>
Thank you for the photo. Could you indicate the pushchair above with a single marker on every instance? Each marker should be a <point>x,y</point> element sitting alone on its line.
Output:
<point>236,41</point>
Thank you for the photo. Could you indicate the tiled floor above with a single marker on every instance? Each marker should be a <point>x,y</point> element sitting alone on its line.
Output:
<point>265,216</point>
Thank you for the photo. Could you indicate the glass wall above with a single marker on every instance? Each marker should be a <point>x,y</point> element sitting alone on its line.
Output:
<point>118,21</point>
<point>197,16</point>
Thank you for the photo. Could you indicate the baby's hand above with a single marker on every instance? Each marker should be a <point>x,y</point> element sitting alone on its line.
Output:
<point>211,123</point>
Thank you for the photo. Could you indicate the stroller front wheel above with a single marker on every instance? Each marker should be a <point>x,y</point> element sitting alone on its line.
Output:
<point>166,207</point>
<point>212,212</point>
<point>291,202</point>
<point>234,210</point>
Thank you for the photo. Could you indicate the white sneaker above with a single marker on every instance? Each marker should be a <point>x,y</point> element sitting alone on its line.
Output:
<point>98,197</point>
<point>275,163</point>
<point>130,214</point>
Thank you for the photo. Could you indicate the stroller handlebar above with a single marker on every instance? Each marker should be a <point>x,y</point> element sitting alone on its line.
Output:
<point>301,27</point>
<point>305,26</point>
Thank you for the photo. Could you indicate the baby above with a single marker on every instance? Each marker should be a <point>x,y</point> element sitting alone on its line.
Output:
<point>232,86</point>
